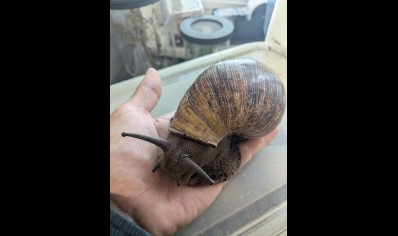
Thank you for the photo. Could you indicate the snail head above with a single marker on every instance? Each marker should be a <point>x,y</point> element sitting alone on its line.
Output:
<point>177,155</point>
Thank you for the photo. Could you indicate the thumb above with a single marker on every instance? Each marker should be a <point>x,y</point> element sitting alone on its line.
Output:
<point>148,91</point>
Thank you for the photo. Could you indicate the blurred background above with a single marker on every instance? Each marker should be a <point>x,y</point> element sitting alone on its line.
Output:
<point>161,33</point>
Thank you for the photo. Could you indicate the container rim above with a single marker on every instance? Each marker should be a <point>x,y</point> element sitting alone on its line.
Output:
<point>191,35</point>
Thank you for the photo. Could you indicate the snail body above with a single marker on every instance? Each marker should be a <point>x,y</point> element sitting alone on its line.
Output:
<point>228,103</point>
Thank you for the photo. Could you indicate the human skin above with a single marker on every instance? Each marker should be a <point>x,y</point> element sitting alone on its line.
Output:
<point>153,200</point>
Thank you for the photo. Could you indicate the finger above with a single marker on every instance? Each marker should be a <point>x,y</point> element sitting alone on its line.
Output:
<point>162,124</point>
<point>251,147</point>
<point>148,91</point>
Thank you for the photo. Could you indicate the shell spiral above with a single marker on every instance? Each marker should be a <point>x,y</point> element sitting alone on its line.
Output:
<point>238,96</point>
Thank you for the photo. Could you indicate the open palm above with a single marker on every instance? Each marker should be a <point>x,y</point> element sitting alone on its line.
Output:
<point>154,200</point>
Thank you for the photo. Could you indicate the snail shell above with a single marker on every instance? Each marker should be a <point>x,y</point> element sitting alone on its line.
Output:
<point>238,96</point>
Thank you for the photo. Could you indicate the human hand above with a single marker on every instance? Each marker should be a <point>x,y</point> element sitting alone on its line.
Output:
<point>154,200</point>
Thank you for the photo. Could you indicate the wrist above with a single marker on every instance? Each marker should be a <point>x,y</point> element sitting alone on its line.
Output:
<point>120,209</point>
<point>120,224</point>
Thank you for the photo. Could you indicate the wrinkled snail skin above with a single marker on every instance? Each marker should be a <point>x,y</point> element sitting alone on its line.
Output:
<point>229,102</point>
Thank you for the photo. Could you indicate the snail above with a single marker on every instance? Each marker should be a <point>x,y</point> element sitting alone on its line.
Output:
<point>229,102</point>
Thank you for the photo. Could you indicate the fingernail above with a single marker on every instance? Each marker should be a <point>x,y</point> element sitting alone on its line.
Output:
<point>150,71</point>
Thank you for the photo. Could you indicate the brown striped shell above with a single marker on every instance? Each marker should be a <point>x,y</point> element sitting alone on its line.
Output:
<point>237,96</point>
